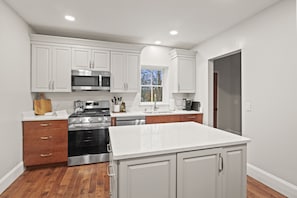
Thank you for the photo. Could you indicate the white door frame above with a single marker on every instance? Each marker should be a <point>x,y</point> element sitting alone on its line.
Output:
<point>210,84</point>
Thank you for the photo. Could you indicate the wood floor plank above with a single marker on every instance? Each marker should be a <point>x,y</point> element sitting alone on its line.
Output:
<point>89,181</point>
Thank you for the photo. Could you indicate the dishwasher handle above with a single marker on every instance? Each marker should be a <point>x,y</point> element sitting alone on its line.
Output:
<point>124,121</point>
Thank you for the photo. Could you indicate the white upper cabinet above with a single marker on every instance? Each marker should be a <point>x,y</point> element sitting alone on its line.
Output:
<point>61,72</point>
<point>124,72</point>
<point>51,68</point>
<point>91,59</point>
<point>53,58</point>
<point>183,70</point>
<point>101,60</point>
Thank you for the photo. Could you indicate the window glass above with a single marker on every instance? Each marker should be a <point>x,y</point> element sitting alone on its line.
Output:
<point>151,85</point>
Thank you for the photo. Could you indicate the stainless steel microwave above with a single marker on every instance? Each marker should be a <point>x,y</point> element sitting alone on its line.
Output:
<point>88,80</point>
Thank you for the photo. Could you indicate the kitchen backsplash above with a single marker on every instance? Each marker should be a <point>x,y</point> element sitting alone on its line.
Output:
<point>61,101</point>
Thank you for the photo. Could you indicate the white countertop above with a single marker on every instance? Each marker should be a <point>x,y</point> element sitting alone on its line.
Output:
<point>156,113</point>
<point>155,139</point>
<point>58,115</point>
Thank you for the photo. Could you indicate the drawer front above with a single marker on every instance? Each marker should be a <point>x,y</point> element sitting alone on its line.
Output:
<point>49,124</point>
<point>191,117</point>
<point>162,119</point>
<point>45,142</point>
<point>44,157</point>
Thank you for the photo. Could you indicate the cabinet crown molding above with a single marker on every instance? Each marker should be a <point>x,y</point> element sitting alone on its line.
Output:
<point>182,53</point>
<point>39,38</point>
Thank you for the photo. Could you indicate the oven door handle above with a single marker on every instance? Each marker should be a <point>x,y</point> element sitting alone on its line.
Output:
<point>87,128</point>
<point>108,146</point>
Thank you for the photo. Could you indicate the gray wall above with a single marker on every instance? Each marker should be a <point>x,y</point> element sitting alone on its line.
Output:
<point>229,93</point>
<point>15,89</point>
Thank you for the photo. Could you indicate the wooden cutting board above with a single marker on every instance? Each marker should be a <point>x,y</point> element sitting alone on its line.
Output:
<point>42,105</point>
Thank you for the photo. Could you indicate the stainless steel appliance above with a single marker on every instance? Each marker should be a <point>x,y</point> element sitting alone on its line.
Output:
<point>87,80</point>
<point>195,106</point>
<point>187,104</point>
<point>88,133</point>
<point>130,120</point>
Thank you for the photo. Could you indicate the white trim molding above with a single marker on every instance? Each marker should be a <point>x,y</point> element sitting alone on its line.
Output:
<point>11,176</point>
<point>276,183</point>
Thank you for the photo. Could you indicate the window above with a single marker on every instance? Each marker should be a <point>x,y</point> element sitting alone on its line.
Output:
<point>152,84</point>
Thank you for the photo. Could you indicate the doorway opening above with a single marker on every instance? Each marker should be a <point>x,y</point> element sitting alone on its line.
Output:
<point>227,105</point>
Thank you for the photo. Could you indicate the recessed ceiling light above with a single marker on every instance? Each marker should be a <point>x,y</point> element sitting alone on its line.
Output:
<point>158,42</point>
<point>69,18</point>
<point>173,32</point>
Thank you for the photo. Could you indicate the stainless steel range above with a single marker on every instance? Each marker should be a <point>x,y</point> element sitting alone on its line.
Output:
<point>88,132</point>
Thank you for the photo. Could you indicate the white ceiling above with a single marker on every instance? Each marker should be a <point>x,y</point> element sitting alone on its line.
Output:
<point>138,21</point>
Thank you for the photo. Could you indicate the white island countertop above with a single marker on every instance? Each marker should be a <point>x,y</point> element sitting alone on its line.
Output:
<point>155,139</point>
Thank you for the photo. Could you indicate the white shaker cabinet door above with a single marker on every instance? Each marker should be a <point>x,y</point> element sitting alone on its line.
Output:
<point>81,58</point>
<point>198,174</point>
<point>101,60</point>
<point>186,75</point>
<point>151,177</point>
<point>235,172</point>
<point>61,69</point>
<point>41,68</point>
<point>118,72</point>
<point>132,73</point>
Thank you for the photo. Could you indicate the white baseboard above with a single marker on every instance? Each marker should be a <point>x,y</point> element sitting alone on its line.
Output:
<point>11,176</point>
<point>276,183</point>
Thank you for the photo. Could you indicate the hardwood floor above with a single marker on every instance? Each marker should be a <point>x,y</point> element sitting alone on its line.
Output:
<point>88,181</point>
<point>256,189</point>
<point>77,181</point>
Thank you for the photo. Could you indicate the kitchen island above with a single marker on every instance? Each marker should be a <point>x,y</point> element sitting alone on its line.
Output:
<point>176,160</point>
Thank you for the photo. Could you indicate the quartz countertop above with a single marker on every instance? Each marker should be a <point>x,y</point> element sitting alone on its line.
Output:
<point>58,115</point>
<point>156,139</point>
<point>154,113</point>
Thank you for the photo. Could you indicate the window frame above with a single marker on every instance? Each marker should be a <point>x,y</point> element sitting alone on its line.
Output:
<point>164,84</point>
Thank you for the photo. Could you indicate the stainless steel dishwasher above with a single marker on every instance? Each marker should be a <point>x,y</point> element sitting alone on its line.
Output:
<point>130,120</point>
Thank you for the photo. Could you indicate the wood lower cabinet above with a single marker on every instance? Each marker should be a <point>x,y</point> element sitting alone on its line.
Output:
<point>45,142</point>
<point>174,118</point>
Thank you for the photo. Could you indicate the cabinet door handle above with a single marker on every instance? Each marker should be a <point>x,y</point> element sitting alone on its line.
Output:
<point>45,137</point>
<point>46,155</point>
<point>221,163</point>
<point>53,85</point>
<point>108,171</point>
<point>178,87</point>
<point>45,124</point>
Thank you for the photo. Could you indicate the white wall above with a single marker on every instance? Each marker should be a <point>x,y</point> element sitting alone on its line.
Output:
<point>15,91</point>
<point>229,93</point>
<point>269,45</point>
